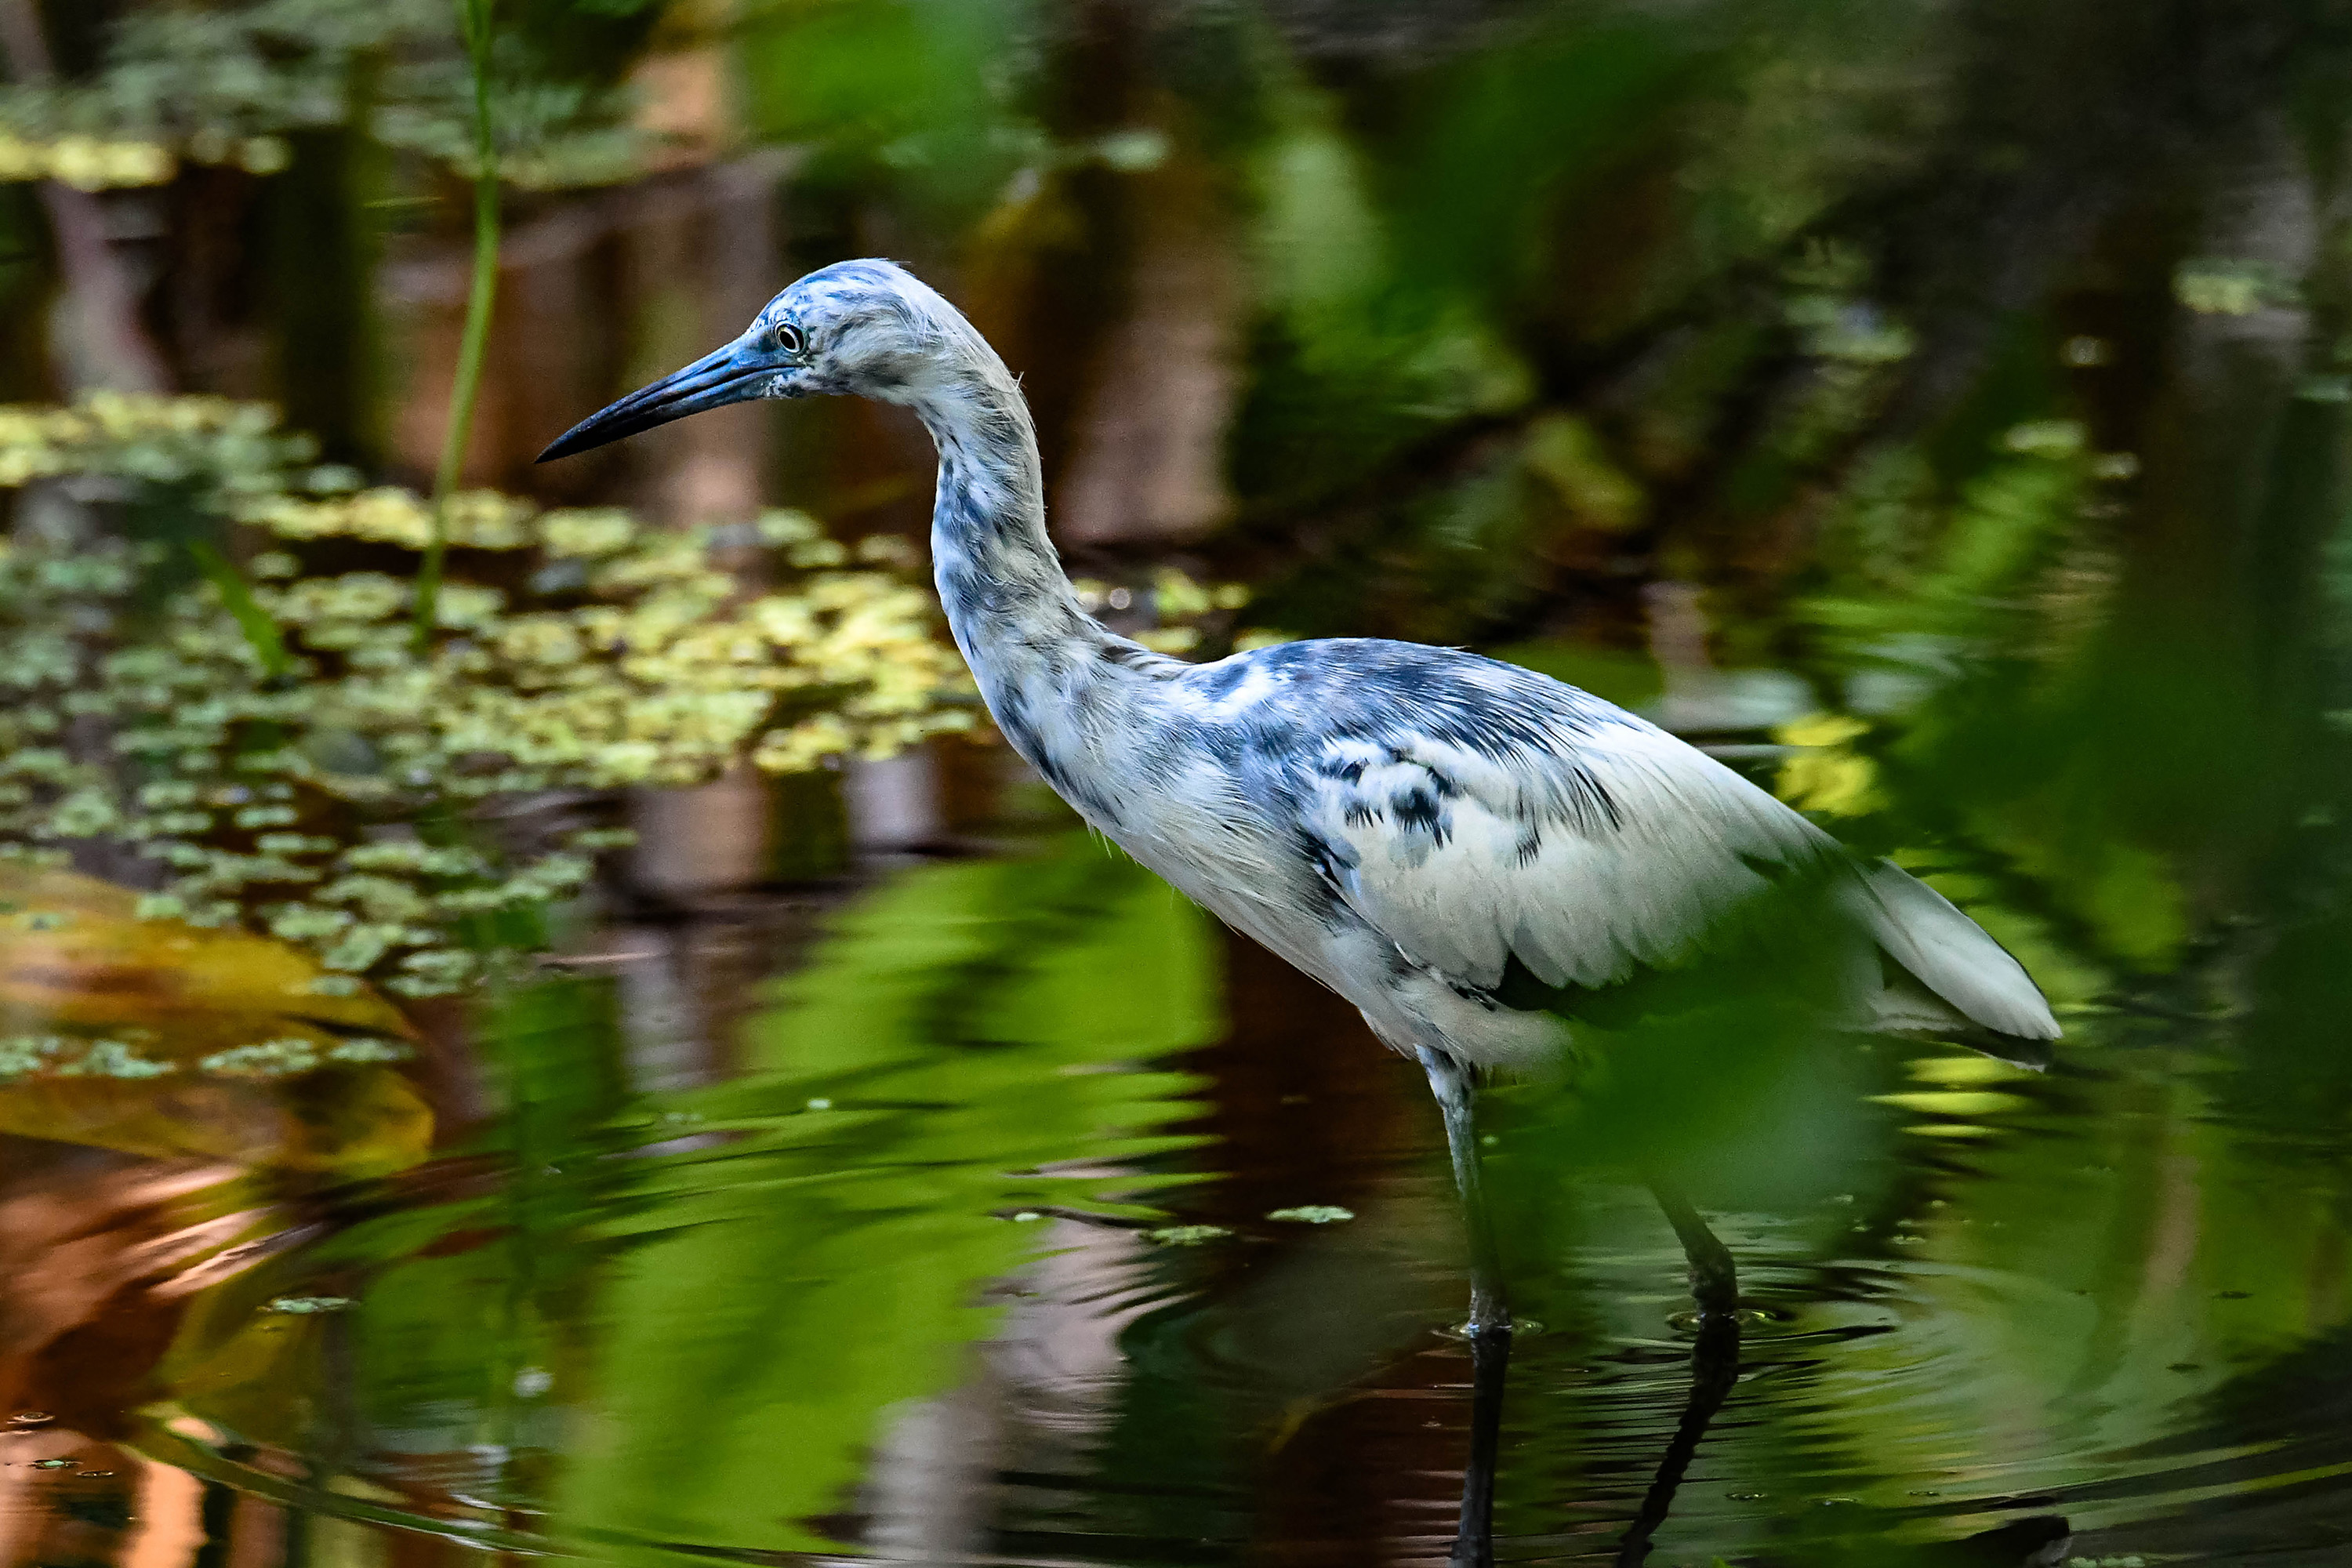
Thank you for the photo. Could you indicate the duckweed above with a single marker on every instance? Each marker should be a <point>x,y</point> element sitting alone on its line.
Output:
<point>60,1056</point>
<point>378,804</point>
<point>1185,1234</point>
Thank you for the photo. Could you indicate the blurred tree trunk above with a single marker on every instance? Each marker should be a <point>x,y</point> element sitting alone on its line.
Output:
<point>1147,465</point>
<point>321,248</point>
<point>27,279</point>
<point>698,264</point>
<point>97,337</point>
<point>216,341</point>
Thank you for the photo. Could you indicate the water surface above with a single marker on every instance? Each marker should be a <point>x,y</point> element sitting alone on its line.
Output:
<point>961,1251</point>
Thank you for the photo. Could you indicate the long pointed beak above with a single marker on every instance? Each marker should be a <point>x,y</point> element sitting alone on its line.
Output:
<point>734,374</point>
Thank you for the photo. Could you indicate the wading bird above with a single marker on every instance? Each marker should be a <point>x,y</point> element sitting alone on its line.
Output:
<point>1467,850</point>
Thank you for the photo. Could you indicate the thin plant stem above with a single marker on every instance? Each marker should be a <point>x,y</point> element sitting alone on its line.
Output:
<point>474,20</point>
<point>237,594</point>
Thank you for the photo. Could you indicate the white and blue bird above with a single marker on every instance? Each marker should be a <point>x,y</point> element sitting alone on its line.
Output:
<point>1459,847</point>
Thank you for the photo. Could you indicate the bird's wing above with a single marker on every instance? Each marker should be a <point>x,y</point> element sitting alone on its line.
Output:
<point>1595,849</point>
<point>1585,853</point>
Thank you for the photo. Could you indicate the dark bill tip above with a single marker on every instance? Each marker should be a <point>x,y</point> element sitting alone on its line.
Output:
<point>600,429</point>
<point>731,375</point>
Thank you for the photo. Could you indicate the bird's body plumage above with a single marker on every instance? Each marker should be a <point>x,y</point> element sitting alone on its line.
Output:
<point>1453,843</point>
<point>1459,847</point>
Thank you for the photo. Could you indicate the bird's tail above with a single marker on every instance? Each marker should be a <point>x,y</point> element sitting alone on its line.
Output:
<point>1953,960</point>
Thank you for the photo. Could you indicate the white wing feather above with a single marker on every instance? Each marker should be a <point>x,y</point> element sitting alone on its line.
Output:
<point>1515,873</point>
<point>1948,953</point>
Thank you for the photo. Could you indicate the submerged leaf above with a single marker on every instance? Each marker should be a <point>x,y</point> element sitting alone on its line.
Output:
<point>161,1038</point>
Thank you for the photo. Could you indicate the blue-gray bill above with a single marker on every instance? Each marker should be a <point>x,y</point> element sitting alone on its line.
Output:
<point>734,374</point>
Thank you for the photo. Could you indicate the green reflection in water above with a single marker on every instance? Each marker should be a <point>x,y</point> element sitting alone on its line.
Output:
<point>701,1344</point>
<point>947,1048</point>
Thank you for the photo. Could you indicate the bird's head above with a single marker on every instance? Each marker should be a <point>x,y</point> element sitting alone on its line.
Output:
<point>868,328</point>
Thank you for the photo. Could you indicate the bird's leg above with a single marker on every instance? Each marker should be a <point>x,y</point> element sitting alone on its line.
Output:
<point>1714,1277</point>
<point>1474,1540</point>
<point>1449,1080</point>
<point>1714,1362</point>
<point>1489,1328</point>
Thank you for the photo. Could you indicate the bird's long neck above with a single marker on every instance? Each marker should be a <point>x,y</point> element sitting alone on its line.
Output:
<point>1013,612</point>
<point>998,576</point>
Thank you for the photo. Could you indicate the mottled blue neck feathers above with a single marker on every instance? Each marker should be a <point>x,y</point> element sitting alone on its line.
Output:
<point>1009,603</point>
<point>995,561</point>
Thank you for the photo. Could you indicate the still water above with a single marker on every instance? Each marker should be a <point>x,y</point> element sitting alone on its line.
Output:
<point>1023,1216</point>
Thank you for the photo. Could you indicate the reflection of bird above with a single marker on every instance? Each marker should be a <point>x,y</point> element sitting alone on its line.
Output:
<point>1462,848</point>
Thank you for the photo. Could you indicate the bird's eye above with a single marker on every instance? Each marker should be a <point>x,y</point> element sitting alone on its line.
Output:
<point>788,339</point>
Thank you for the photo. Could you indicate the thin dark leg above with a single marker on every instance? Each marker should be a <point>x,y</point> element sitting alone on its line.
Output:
<point>1714,1365</point>
<point>1714,1277</point>
<point>1489,1328</point>
<point>1474,1541</point>
<point>1449,1081</point>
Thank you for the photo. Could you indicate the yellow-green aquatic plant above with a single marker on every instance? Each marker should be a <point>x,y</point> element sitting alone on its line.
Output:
<point>292,764</point>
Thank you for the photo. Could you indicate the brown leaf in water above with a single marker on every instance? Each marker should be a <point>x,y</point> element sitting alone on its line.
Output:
<point>74,949</point>
<point>184,1006</point>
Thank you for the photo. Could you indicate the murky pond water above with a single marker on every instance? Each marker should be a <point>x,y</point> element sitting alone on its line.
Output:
<point>1031,1219</point>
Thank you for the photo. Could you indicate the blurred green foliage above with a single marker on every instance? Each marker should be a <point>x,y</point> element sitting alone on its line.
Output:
<point>908,94</point>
